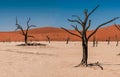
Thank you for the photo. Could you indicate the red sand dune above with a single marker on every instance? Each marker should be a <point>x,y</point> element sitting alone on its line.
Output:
<point>57,34</point>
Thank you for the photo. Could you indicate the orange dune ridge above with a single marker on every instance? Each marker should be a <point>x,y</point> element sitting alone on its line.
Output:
<point>57,34</point>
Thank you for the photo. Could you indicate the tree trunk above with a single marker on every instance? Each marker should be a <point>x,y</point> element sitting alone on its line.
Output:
<point>117,40</point>
<point>108,40</point>
<point>96,43</point>
<point>26,43</point>
<point>67,40</point>
<point>48,38</point>
<point>85,52</point>
<point>117,43</point>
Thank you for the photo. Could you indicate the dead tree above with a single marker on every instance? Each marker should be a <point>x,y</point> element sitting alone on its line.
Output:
<point>67,40</point>
<point>118,27</point>
<point>94,41</point>
<point>108,40</point>
<point>117,41</point>
<point>48,38</point>
<point>24,32</point>
<point>82,34</point>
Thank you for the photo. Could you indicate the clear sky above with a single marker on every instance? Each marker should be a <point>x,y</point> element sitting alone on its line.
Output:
<point>55,12</point>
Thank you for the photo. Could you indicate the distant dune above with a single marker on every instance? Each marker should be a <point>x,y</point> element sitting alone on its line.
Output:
<point>57,34</point>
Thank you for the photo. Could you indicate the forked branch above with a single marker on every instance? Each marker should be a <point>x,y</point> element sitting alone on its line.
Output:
<point>19,27</point>
<point>28,22</point>
<point>89,24</point>
<point>75,21</point>
<point>101,26</point>
<point>78,18</point>
<point>76,28</point>
<point>29,26</point>
<point>71,32</point>
<point>88,14</point>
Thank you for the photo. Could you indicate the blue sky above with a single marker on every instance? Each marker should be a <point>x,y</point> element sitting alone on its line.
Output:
<point>55,12</point>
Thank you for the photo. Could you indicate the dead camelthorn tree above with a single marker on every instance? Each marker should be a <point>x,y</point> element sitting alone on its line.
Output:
<point>67,40</point>
<point>116,40</point>
<point>108,40</point>
<point>82,34</point>
<point>48,38</point>
<point>25,32</point>
<point>118,27</point>
<point>94,41</point>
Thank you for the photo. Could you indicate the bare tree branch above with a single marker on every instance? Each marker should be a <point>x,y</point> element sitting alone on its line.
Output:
<point>89,24</point>
<point>32,26</point>
<point>70,32</point>
<point>101,26</point>
<point>93,10</point>
<point>28,22</point>
<point>86,18</point>
<point>78,18</point>
<point>75,21</point>
<point>19,27</point>
<point>29,26</point>
<point>76,28</point>
<point>117,26</point>
<point>86,13</point>
<point>96,64</point>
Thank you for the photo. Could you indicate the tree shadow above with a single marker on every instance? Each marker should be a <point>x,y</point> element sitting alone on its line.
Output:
<point>37,53</point>
<point>110,64</point>
<point>97,64</point>
<point>32,44</point>
<point>31,53</point>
